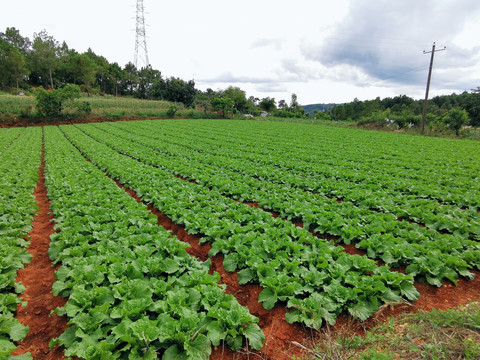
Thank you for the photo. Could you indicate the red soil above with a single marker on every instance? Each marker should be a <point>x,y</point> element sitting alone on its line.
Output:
<point>38,278</point>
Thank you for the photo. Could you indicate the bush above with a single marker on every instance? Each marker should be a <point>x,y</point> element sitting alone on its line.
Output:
<point>456,118</point>
<point>172,109</point>
<point>26,112</point>
<point>405,118</point>
<point>50,103</point>
<point>376,117</point>
<point>83,107</point>
<point>70,92</point>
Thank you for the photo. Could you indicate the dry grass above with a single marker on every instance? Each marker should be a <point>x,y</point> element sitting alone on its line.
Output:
<point>452,334</point>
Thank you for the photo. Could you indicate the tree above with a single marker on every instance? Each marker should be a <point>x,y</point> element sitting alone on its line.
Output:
<point>471,103</point>
<point>12,65</point>
<point>50,103</point>
<point>102,75</point>
<point>5,73</point>
<point>338,113</point>
<point>251,107</point>
<point>294,102</point>
<point>223,104</point>
<point>238,97</point>
<point>294,110</point>
<point>84,71</point>
<point>358,109</point>
<point>130,79</point>
<point>456,118</point>
<point>43,59</point>
<point>268,104</point>
<point>321,115</point>
<point>254,100</point>
<point>148,78</point>
<point>349,111</point>
<point>282,104</point>
<point>116,74</point>
<point>13,68</point>
<point>13,37</point>
<point>18,66</point>
<point>175,89</point>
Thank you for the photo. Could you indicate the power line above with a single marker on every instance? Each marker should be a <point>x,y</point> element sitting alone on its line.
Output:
<point>399,74</point>
<point>141,52</point>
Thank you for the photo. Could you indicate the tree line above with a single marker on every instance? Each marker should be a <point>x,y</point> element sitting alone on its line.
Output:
<point>44,62</point>
<point>455,110</point>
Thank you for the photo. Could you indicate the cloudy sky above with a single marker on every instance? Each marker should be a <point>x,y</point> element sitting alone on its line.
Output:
<point>324,51</point>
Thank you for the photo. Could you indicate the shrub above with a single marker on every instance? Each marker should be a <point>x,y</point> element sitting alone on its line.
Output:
<point>83,107</point>
<point>50,103</point>
<point>172,109</point>
<point>456,118</point>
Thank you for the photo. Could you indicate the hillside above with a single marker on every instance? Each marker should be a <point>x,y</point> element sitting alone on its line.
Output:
<point>321,107</point>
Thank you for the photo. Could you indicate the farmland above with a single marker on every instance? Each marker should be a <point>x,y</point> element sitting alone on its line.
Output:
<point>320,222</point>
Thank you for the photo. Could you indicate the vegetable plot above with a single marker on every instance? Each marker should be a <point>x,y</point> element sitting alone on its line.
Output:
<point>316,279</point>
<point>397,243</point>
<point>133,291</point>
<point>369,189</point>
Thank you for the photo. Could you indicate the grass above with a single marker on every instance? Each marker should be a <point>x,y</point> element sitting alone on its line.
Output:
<point>15,106</point>
<point>436,335</point>
<point>103,108</point>
<point>309,121</point>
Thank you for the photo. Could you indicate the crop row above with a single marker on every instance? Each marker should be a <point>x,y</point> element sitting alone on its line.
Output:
<point>133,291</point>
<point>462,222</point>
<point>19,169</point>
<point>314,277</point>
<point>442,217</point>
<point>413,158</point>
<point>353,160</point>
<point>358,161</point>
<point>8,136</point>
<point>380,235</point>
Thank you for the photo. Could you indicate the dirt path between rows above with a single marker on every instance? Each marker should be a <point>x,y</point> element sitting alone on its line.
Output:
<point>38,278</point>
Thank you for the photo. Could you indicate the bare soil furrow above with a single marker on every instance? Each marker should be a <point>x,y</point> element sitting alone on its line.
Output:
<point>38,278</point>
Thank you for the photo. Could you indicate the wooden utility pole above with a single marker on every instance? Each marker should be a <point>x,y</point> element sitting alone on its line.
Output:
<point>424,114</point>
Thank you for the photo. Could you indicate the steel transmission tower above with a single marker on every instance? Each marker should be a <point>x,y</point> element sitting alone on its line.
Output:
<point>141,53</point>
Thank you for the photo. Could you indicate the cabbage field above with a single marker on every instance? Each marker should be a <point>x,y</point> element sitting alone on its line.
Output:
<point>283,204</point>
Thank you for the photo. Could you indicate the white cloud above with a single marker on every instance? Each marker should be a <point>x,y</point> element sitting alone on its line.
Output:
<point>384,39</point>
<point>323,51</point>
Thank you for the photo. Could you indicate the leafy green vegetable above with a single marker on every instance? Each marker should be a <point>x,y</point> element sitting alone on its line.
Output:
<point>132,288</point>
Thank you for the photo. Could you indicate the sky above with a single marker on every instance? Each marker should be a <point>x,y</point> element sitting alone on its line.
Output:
<point>323,51</point>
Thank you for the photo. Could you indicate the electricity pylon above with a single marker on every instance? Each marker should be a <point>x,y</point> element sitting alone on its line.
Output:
<point>141,53</point>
